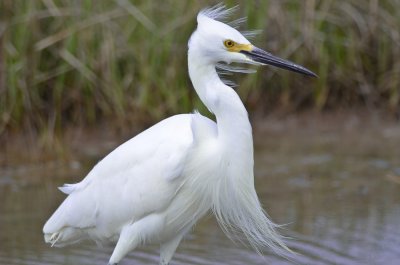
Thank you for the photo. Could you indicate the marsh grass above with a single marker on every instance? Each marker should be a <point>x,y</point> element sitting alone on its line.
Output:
<point>72,63</point>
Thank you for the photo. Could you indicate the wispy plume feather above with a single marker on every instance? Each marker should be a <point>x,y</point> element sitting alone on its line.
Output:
<point>251,34</point>
<point>221,13</point>
<point>224,69</point>
<point>218,12</point>
<point>227,69</point>
<point>237,23</point>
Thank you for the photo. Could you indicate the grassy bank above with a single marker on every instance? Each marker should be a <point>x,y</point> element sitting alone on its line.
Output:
<point>68,63</point>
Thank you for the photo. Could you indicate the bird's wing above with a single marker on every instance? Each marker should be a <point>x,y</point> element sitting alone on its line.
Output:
<point>139,177</point>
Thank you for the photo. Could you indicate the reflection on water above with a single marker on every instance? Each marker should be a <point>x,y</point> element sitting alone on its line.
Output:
<point>338,193</point>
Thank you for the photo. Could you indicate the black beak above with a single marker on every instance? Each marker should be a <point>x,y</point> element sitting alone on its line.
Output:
<point>264,57</point>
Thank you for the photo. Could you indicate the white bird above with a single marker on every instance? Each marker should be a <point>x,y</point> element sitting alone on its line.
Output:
<point>153,188</point>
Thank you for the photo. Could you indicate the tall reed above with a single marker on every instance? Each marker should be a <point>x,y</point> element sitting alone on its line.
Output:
<point>66,63</point>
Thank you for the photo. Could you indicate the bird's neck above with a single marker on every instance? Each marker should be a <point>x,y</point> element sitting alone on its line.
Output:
<point>232,118</point>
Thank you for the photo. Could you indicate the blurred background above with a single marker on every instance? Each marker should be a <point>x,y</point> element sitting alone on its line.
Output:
<point>77,78</point>
<point>70,63</point>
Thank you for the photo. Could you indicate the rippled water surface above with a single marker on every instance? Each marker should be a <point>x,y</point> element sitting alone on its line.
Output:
<point>338,192</point>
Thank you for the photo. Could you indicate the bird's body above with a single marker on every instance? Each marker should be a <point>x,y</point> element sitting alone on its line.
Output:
<point>154,187</point>
<point>144,180</point>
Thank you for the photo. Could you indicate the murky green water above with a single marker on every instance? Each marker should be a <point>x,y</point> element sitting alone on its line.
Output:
<point>338,191</point>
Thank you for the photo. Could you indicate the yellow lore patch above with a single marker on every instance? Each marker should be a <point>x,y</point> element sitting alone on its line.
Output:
<point>236,47</point>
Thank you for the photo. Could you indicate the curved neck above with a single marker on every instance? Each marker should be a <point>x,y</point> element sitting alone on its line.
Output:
<point>220,99</point>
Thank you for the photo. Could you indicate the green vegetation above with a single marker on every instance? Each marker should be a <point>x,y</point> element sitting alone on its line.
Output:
<point>67,63</point>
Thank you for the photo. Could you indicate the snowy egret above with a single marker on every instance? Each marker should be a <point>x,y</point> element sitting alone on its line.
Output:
<point>153,188</point>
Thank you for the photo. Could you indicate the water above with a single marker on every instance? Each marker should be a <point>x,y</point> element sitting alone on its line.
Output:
<point>338,191</point>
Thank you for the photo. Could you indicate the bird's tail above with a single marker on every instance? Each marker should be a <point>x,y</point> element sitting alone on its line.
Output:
<point>64,237</point>
<point>71,221</point>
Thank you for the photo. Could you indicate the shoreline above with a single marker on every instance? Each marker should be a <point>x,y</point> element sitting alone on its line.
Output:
<point>95,142</point>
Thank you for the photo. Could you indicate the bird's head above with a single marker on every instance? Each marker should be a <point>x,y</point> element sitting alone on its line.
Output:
<point>215,41</point>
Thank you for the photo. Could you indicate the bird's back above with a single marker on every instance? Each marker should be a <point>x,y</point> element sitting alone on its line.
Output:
<point>138,178</point>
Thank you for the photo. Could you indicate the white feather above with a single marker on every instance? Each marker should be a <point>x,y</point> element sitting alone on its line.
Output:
<point>154,187</point>
<point>218,12</point>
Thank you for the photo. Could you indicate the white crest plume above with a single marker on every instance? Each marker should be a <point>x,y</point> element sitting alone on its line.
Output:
<point>220,13</point>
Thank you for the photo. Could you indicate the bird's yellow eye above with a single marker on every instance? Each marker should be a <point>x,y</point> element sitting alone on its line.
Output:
<point>229,43</point>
